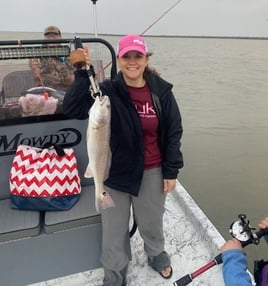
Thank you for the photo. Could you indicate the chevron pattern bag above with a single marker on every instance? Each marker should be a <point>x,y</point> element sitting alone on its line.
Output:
<point>44,179</point>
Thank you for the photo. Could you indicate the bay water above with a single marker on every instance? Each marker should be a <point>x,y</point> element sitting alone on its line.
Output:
<point>221,86</point>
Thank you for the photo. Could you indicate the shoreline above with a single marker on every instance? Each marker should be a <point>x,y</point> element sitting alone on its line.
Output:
<point>36,35</point>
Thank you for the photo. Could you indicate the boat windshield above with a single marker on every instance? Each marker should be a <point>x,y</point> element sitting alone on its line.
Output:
<point>35,75</point>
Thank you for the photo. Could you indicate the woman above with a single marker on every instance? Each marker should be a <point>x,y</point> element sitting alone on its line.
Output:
<point>145,139</point>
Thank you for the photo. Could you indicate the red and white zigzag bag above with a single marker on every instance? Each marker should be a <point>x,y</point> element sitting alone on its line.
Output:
<point>44,178</point>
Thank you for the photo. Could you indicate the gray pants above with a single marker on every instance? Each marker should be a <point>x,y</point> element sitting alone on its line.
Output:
<point>148,210</point>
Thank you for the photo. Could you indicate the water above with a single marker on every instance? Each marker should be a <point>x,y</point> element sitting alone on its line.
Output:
<point>221,86</point>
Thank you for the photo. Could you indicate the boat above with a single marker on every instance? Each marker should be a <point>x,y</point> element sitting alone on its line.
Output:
<point>63,248</point>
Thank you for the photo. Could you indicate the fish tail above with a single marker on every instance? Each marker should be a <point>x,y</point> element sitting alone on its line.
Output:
<point>97,205</point>
<point>106,201</point>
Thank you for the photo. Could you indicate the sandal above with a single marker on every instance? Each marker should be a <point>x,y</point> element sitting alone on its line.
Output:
<point>161,264</point>
<point>169,275</point>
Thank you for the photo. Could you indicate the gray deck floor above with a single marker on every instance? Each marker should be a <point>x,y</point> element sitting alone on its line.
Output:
<point>191,240</point>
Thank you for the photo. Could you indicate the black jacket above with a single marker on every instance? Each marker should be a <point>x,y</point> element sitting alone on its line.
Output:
<point>126,134</point>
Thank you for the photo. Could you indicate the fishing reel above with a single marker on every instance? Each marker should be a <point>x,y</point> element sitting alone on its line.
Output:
<point>242,231</point>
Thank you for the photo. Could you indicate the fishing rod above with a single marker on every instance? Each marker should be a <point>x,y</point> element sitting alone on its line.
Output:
<point>242,231</point>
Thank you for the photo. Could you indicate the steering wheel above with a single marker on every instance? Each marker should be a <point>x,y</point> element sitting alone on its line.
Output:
<point>40,89</point>
<point>51,91</point>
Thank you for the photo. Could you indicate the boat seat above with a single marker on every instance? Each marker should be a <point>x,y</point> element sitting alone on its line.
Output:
<point>17,224</point>
<point>15,84</point>
<point>81,214</point>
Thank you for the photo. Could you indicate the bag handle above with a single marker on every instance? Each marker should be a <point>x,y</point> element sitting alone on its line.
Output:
<point>59,150</point>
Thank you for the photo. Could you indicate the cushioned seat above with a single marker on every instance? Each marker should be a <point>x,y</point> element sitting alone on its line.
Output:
<point>15,84</point>
<point>17,224</point>
<point>81,214</point>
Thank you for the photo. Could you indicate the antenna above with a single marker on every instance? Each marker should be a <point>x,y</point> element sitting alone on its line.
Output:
<point>95,18</point>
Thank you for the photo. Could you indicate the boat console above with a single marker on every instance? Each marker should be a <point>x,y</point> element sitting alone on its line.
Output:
<point>37,246</point>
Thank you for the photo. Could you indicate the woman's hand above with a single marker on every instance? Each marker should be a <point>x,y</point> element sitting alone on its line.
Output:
<point>169,185</point>
<point>80,58</point>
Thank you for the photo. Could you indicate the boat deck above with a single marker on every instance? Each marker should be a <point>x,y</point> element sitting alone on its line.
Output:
<point>191,240</point>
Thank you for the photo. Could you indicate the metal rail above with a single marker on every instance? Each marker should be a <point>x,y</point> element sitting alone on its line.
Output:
<point>19,49</point>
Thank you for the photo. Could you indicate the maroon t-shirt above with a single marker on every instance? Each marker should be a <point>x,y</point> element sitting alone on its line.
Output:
<point>141,98</point>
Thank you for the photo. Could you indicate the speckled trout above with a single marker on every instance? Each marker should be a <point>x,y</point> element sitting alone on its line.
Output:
<point>98,149</point>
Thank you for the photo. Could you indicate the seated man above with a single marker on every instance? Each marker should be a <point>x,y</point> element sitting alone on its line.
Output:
<point>54,72</point>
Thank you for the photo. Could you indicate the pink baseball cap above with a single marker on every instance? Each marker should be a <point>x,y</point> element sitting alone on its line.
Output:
<point>131,43</point>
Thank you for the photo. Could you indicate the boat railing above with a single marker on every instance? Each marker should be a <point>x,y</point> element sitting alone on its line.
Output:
<point>21,49</point>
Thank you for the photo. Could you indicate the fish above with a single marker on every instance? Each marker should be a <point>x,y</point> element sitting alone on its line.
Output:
<point>98,149</point>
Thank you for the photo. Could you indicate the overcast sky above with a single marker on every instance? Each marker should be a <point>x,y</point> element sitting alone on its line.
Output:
<point>189,17</point>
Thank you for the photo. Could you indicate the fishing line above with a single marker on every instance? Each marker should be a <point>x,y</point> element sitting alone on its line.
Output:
<point>157,20</point>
